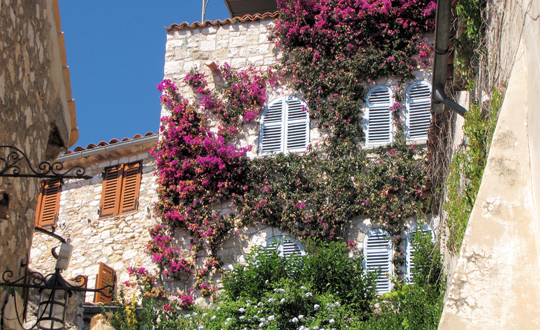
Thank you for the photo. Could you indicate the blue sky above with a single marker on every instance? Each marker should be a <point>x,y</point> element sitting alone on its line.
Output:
<point>116,52</point>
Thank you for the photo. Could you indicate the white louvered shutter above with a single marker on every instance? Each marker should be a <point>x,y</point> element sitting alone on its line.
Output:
<point>418,110</point>
<point>271,133</point>
<point>290,247</point>
<point>378,121</point>
<point>409,254</point>
<point>378,255</point>
<point>297,126</point>
<point>286,246</point>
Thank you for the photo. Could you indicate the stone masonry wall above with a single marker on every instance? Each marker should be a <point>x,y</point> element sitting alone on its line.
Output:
<point>33,103</point>
<point>118,241</point>
<point>244,45</point>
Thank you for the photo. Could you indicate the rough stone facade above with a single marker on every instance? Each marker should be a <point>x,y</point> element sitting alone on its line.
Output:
<point>37,116</point>
<point>118,241</point>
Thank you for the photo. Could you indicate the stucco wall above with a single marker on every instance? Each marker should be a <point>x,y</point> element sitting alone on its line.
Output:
<point>34,101</point>
<point>494,284</point>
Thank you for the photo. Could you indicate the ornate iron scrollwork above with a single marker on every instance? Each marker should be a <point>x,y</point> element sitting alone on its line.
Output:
<point>16,158</point>
<point>39,281</point>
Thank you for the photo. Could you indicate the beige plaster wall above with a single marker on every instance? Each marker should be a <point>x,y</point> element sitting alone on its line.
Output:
<point>494,285</point>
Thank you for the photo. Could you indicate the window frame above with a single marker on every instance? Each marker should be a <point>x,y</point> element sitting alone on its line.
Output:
<point>422,101</point>
<point>120,193</point>
<point>284,123</point>
<point>367,119</point>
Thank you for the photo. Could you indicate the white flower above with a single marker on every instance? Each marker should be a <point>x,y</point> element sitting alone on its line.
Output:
<point>271,300</point>
<point>200,327</point>
<point>315,328</point>
<point>229,319</point>
<point>271,318</point>
<point>187,316</point>
<point>282,300</point>
<point>242,317</point>
<point>338,304</point>
<point>205,314</point>
<point>309,294</point>
<point>316,307</point>
<point>194,314</point>
<point>218,308</point>
<point>260,304</point>
<point>266,281</point>
<point>255,317</point>
<point>262,319</point>
<point>248,301</point>
<point>213,317</point>
<point>300,317</point>
<point>241,310</point>
<point>303,288</point>
<point>281,290</point>
<point>331,321</point>
<point>294,320</point>
<point>261,325</point>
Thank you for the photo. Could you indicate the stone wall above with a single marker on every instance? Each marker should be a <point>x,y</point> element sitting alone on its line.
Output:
<point>118,241</point>
<point>37,115</point>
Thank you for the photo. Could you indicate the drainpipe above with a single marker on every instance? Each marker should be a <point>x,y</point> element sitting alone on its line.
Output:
<point>442,36</point>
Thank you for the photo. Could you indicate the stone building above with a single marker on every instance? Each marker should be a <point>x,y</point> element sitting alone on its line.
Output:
<point>37,116</point>
<point>119,239</point>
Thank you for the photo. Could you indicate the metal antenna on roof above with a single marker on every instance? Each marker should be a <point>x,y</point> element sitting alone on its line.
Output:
<point>204,5</point>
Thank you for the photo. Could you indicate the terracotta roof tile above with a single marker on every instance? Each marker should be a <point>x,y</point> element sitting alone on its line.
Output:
<point>242,19</point>
<point>103,143</point>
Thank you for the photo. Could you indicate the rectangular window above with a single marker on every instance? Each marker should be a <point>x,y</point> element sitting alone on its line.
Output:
<point>48,203</point>
<point>121,185</point>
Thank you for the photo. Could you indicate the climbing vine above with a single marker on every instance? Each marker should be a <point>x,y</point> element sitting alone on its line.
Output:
<point>331,49</point>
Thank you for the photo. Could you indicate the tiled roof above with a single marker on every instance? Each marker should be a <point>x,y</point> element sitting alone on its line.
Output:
<point>103,143</point>
<point>243,19</point>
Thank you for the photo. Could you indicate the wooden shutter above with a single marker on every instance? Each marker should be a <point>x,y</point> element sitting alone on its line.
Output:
<point>112,188</point>
<point>131,185</point>
<point>297,126</point>
<point>378,256</point>
<point>418,106</point>
<point>271,133</point>
<point>106,276</point>
<point>409,252</point>
<point>48,203</point>
<point>378,122</point>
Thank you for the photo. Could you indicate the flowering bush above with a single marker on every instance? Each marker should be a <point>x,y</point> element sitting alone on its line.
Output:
<point>331,48</point>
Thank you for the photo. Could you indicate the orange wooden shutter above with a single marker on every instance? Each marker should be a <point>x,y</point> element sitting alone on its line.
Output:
<point>112,187</point>
<point>106,276</point>
<point>48,203</point>
<point>131,185</point>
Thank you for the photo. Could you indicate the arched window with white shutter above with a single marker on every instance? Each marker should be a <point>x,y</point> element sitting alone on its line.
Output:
<point>285,245</point>
<point>409,250</point>
<point>378,117</point>
<point>418,115</point>
<point>284,127</point>
<point>378,258</point>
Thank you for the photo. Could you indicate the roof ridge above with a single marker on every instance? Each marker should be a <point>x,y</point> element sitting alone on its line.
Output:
<point>103,143</point>
<point>242,19</point>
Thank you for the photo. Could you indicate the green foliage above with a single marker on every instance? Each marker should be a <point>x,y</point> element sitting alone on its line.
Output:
<point>324,290</point>
<point>467,168</point>
<point>326,268</point>
<point>314,195</point>
<point>469,44</point>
